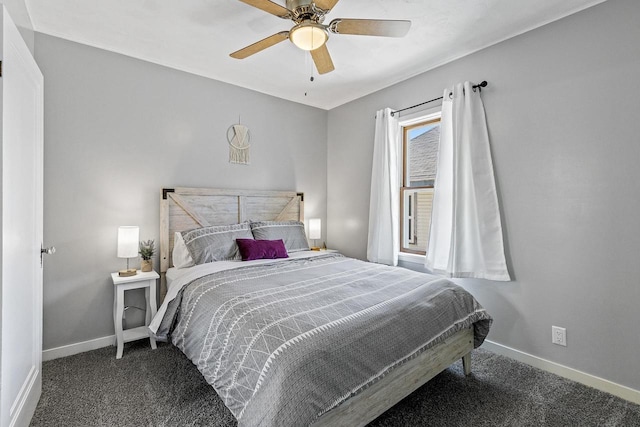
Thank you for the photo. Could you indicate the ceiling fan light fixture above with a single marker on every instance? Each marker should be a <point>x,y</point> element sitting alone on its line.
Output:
<point>308,35</point>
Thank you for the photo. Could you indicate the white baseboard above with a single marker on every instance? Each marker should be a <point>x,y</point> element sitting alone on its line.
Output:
<point>80,347</point>
<point>27,400</point>
<point>598,383</point>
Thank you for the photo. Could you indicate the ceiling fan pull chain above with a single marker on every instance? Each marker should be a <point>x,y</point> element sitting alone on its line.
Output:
<point>309,63</point>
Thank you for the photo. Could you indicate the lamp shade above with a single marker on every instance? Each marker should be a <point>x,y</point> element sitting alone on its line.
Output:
<point>128,236</point>
<point>308,35</point>
<point>315,228</point>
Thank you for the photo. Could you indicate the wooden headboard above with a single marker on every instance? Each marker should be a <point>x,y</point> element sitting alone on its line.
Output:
<point>188,208</point>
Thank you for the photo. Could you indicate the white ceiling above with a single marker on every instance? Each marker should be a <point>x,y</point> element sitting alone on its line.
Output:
<point>197,36</point>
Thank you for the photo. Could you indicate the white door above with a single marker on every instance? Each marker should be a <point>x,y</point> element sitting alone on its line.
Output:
<point>22,123</point>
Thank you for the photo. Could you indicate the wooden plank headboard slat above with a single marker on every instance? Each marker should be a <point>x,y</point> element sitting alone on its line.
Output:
<point>188,209</point>
<point>283,214</point>
<point>242,210</point>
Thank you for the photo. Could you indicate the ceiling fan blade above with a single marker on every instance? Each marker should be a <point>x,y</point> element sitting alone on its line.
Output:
<point>261,45</point>
<point>370,27</point>
<point>322,59</point>
<point>269,7</point>
<point>325,5</point>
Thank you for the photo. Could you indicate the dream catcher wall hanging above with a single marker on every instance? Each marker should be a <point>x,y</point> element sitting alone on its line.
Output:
<point>238,137</point>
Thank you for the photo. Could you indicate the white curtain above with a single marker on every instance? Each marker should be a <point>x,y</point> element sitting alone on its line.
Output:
<point>466,231</point>
<point>384,206</point>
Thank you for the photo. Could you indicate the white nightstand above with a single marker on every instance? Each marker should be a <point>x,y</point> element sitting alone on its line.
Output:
<point>122,284</point>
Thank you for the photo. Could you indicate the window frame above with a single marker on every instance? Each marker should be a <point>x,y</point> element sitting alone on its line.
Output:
<point>408,123</point>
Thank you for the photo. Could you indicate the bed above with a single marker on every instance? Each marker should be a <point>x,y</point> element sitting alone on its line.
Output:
<point>312,339</point>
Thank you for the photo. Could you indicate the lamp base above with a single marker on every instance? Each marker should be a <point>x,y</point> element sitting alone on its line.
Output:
<point>128,272</point>
<point>314,248</point>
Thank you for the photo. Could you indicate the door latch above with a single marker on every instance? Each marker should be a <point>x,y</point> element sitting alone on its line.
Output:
<point>49,251</point>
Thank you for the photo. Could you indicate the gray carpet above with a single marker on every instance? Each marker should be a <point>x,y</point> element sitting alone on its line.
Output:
<point>163,388</point>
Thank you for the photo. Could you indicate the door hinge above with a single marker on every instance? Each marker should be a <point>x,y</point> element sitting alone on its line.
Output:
<point>0,68</point>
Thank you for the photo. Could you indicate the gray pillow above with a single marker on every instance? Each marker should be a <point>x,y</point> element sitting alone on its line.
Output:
<point>291,232</point>
<point>216,243</point>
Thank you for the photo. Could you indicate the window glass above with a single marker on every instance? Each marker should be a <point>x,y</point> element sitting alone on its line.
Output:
<point>420,155</point>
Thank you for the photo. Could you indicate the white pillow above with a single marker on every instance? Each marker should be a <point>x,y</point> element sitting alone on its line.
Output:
<point>181,256</point>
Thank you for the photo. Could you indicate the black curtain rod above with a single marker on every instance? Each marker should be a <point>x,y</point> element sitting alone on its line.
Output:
<point>479,86</point>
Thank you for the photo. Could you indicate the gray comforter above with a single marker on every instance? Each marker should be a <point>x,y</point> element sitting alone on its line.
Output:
<point>284,343</point>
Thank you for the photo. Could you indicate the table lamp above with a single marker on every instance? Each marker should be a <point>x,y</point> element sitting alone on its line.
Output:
<point>315,232</point>
<point>128,246</point>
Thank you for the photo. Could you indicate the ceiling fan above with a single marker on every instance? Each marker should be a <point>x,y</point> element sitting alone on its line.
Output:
<point>309,33</point>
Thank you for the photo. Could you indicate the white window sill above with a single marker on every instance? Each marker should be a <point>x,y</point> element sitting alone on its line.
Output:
<point>413,258</point>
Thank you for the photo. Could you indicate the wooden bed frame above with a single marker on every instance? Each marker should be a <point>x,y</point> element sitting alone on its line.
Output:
<point>187,208</point>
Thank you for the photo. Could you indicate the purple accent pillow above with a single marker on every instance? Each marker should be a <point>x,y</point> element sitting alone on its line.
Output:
<point>261,249</point>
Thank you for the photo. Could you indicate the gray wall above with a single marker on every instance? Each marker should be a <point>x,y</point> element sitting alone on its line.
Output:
<point>117,130</point>
<point>563,108</point>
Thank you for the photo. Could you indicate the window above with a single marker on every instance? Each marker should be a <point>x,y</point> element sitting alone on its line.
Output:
<point>421,138</point>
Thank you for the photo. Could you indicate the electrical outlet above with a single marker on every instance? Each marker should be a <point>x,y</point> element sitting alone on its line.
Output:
<point>559,335</point>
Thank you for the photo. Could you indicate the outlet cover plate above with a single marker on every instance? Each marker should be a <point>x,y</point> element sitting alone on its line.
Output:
<point>559,335</point>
